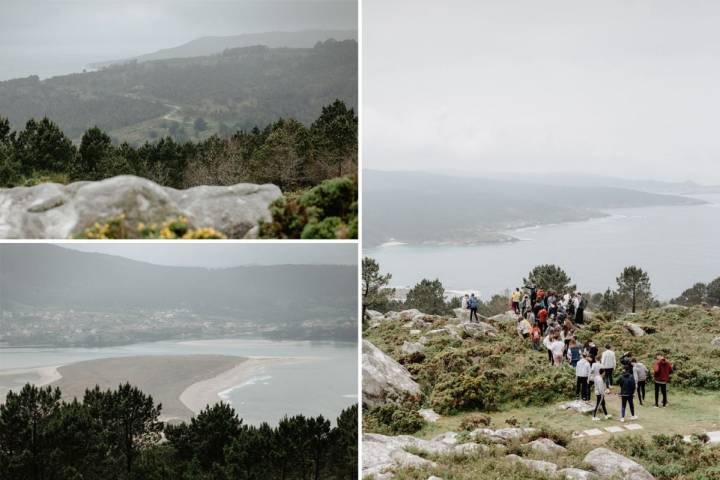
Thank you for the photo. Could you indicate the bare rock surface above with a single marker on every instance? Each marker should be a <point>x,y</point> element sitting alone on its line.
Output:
<point>609,464</point>
<point>383,378</point>
<point>54,211</point>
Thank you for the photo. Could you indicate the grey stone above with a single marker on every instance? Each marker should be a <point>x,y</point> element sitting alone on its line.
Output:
<point>634,329</point>
<point>429,415</point>
<point>579,406</point>
<point>53,211</point>
<point>609,464</point>
<point>537,465</point>
<point>478,329</point>
<point>383,378</point>
<point>545,445</point>
<point>576,474</point>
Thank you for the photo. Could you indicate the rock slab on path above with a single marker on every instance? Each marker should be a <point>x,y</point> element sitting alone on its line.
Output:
<point>384,379</point>
<point>54,211</point>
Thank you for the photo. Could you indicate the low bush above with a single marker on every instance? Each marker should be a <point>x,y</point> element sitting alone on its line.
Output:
<point>173,229</point>
<point>393,419</point>
<point>327,211</point>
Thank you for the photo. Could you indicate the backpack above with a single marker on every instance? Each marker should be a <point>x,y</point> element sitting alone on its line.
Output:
<point>473,302</point>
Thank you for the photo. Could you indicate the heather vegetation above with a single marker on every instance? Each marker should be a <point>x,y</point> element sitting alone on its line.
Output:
<point>118,434</point>
<point>498,380</point>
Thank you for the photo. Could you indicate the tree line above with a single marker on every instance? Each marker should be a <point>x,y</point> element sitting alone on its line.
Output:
<point>632,293</point>
<point>117,434</point>
<point>285,153</point>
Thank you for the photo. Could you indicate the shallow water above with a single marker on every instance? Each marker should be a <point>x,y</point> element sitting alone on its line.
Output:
<point>677,246</point>
<point>323,386</point>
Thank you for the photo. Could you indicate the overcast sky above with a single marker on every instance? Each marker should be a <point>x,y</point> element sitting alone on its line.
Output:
<point>50,37</point>
<point>227,254</point>
<point>620,87</point>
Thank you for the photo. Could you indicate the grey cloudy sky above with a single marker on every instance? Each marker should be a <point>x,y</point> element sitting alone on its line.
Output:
<point>620,87</point>
<point>49,37</point>
<point>227,254</point>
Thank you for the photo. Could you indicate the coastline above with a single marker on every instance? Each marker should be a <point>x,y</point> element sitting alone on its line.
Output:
<point>211,391</point>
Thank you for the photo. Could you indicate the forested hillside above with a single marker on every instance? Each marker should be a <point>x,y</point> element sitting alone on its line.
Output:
<point>191,97</point>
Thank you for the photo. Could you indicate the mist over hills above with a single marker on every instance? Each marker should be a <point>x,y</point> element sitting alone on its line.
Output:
<point>434,208</point>
<point>216,44</point>
<point>239,88</point>
<point>39,278</point>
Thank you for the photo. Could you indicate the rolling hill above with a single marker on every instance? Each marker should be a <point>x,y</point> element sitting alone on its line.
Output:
<point>433,208</point>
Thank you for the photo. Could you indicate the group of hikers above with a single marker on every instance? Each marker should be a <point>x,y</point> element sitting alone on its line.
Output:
<point>553,319</point>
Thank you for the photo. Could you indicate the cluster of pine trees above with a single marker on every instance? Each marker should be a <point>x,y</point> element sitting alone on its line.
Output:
<point>285,153</point>
<point>117,434</point>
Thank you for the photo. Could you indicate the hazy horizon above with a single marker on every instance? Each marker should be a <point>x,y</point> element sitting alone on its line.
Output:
<point>225,255</point>
<point>614,89</point>
<point>57,37</point>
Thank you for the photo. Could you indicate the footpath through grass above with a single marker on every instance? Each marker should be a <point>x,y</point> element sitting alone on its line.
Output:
<point>686,414</point>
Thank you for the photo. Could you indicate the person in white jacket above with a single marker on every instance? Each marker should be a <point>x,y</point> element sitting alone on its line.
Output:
<point>582,371</point>
<point>608,364</point>
<point>600,391</point>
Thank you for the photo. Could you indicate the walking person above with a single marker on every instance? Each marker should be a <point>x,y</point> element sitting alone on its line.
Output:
<point>464,301</point>
<point>640,373</point>
<point>523,327</point>
<point>608,364</point>
<point>557,347</point>
<point>515,299</point>
<point>473,306</point>
<point>574,352</point>
<point>600,389</point>
<point>535,336</point>
<point>579,309</point>
<point>582,371</point>
<point>627,393</point>
<point>661,375</point>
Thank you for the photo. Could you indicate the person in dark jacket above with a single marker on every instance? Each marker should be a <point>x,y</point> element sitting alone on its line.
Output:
<point>627,393</point>
<point>473,306</point>
<point>661,375</point>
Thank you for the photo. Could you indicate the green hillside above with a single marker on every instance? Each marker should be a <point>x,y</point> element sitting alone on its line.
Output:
<point>191,98</point>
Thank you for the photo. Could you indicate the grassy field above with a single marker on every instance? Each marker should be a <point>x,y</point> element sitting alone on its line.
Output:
<point>686,414</point>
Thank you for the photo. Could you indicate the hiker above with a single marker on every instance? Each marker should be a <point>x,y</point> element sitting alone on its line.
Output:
<point>625,359</point>
<point>640,373</point>
<point>542,316</point>
<point>525,304</point>
<point>515,300</point>
<point>473,306</point>
<point>464,301</point>
<point>574,352</point>
<point>523,327</point>
<point>608,363</point>
<point>582,371</point>
<point>579,309</point>
<point>661,375</point>
<point>557,347</point>
<point>535,335</point>
<point>627,393</point>
<point>547,341</point>
<point>599,383</point>
<point>592,350</point>
<point>533,294</point>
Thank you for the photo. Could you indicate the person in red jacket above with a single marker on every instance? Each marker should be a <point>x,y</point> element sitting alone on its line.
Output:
<point>661,374</point>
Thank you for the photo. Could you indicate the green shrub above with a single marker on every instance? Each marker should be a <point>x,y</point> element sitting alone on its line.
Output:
<point>393,419</point>
<point>173,229</point>
<point>474,421</point>
<point>327,211</point>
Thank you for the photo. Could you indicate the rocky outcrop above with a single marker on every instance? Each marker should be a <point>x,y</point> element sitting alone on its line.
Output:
<point>609,464</point>
<point>635,329</point>
<point>576,474</point>
<point>410,348</point>
<point>383,378</point>
<point>429,415</point>
<point>545,445</point>
<point>715,342</point>
<point>501,435</point>
<point>55,211</point>
<point>478,329</point>
<point>537,465</point>
<point>579,406</point>
<point>463,314</point>
<point>380,456</point>
<point>382,453</point>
